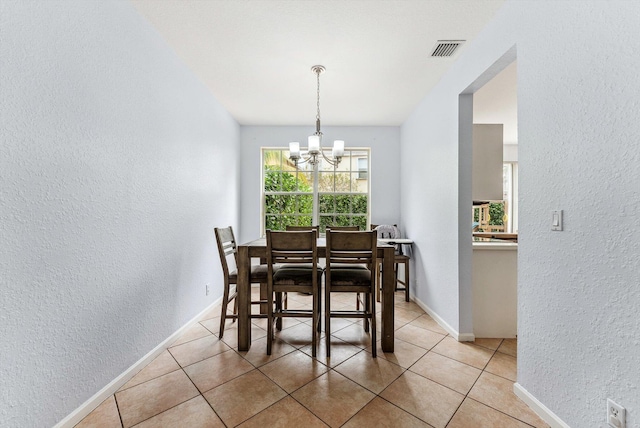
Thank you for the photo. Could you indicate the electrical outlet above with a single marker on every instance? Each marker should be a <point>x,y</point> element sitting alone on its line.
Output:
<point>615,414</point>
<point>206,289</point>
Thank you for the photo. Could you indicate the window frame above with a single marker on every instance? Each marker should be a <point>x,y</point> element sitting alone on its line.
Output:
<point>512,200</point>
<point>316,172</point>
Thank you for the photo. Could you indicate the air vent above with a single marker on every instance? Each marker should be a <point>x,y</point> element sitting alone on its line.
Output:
<point>446,48</point>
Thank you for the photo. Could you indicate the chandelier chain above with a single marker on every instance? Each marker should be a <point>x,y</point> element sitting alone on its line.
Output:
<point>318,94</point>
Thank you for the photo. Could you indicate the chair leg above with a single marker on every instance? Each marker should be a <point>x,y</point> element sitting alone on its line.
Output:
<point>279,308</point>
<point>374,343</point>
<point>269,319</point>
<point>314,323</point>
<point>319,310</point>
<point>378,282</point>
<point>406,281</point>
<point>327,320</point>
<point>223,314</point>
<point>367,308</point>
<point>263,296</point>
<point>395,276</point>
<point>235,307</point>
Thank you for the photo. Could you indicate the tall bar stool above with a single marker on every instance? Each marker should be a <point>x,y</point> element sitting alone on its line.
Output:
<point>290,228</point>
<point>349,265</point>
<point>351,248</point>
<point>227,248</point>
<point>400,258</point>
<point>296,254</point>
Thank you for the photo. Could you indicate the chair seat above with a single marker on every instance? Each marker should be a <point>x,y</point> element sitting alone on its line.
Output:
<point>258,274</point>
<point>348,266</point>
<point>342,276</point>
<point>298,266</point>
<point>295,274</point>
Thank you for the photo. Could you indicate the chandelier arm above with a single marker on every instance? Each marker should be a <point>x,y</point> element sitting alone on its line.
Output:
<point>302,160</point>
<point>313,157</point>
<point>333,162</point>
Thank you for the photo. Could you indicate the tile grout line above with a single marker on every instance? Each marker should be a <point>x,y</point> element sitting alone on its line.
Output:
<point>153,416</point>
<point>329,369</point>
<point>118,409</point>
<point>474,383</point>
<point>201,394</point>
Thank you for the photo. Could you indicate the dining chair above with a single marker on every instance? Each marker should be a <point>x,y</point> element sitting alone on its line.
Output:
<point>302,228</point>
<point>347,265</point>
<point>316,229</point>
<point>296,254</point>
<point>227,248</point>
<point>344,228</point>
<point>345,247</point>
<point>400,258</point>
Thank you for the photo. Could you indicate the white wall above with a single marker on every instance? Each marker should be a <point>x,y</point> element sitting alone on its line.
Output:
<point>115,165</point>
<point>578,292</point>
<point>385,166</point>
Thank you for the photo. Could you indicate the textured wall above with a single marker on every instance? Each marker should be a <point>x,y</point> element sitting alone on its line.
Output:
<point>115,165</point>
<point>429,180</point>
<point>385,166</point>
<point>578,290</point>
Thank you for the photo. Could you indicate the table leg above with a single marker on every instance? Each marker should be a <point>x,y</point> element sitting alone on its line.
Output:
<point>388,289</point>
<point>244,299</point>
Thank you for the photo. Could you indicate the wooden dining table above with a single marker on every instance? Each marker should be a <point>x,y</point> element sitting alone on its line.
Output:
<point>258,249</point>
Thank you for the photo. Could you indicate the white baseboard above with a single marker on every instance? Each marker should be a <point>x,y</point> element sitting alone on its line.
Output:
<point>88,406</point>
<point>460,337</point>
<point>540,409</point>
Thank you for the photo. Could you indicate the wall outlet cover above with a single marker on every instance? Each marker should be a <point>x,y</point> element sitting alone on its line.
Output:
<point>615,414</point>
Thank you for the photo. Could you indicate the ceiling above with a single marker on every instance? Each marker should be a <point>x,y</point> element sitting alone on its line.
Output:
<point>256,55</point>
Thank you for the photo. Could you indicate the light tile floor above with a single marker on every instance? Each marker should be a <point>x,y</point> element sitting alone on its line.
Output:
<point>431,380</point>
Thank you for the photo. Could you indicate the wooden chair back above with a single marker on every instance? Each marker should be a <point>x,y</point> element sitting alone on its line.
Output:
<point>292,247</point>
<point>344,228</point>
<point>304,229</point>
<point>351,247</point>
<point>227,247</point>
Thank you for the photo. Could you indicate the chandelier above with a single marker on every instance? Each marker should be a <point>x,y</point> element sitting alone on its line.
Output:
<point>314,149</point>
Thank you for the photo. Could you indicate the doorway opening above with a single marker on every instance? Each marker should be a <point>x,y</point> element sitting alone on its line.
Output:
<point>488,192</point>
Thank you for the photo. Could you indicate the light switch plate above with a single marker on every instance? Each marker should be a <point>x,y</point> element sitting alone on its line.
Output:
<point>556,220</point>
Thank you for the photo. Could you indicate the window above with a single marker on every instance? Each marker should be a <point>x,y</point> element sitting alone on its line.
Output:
<point>310,195</point>
<point>500,216</point>
<point>363,168</point>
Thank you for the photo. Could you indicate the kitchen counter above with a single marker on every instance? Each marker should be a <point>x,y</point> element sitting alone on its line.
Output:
<point>494,285</point>
<point>493,244</point>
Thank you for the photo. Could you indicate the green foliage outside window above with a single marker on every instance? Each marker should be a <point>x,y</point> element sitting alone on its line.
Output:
<point>343,210</point>
<point>283,210</point>
<point>340,203</point>
<point>496,213</point>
